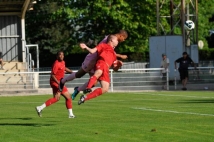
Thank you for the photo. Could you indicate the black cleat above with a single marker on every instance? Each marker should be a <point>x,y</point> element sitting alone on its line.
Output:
<point>184,89</point>
<point>87,90</point>
<point>82,100</point>
<point>61,85</point>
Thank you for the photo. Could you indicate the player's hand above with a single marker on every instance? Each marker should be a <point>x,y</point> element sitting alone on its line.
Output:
<point>83,46</point>
<point>123,56</point>
<point>119,63</point>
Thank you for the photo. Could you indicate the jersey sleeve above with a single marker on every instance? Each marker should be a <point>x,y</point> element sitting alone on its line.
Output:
<point>178,60</point>
<point>99,48</point>
<point>54,69</point>
<point>191,61</point>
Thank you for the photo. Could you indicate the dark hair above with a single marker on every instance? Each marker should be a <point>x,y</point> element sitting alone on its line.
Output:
<point>123,32</point>
<point>185,53</point>
<point>59,52</point>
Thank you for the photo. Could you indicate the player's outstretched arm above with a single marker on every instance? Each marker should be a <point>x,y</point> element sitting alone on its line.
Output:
<point>122,56</point>
<point>68,70</point>
<point>83,46</point>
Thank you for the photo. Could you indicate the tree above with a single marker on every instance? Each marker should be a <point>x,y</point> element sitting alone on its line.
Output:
<point>205,13</point>
<point>63,24</point>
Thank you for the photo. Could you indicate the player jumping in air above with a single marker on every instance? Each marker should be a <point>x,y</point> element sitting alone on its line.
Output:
<point>89,63</point>
<point>58,71</point>
<point>106,58</point>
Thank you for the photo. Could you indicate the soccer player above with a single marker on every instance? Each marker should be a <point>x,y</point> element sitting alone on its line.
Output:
<point>89,63</point>
<point>106,57</point>
<point>58,71</point>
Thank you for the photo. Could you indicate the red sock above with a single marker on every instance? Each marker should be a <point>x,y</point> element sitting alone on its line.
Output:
<point>50,101</point>
<point>94,94</point>
<point>92,81</point>
<point>68,103</point>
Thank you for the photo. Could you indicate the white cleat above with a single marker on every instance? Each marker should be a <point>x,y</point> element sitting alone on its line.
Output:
<point>71,116</point>
<point>39,111</point>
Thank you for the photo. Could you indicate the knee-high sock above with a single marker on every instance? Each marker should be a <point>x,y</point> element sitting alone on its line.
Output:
<point>68,103</point>
<point>94,94</point>
<point>69,78</point>
<point>83,87</point>
<point>92,81</point>
<point>50,101</point>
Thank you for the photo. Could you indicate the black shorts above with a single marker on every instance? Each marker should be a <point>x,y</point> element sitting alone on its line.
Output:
<point>183,74</point>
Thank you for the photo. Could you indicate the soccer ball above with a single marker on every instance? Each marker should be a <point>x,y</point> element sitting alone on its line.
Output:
<point>189,25</point>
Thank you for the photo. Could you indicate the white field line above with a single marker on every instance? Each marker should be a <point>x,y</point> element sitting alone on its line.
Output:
<point>175,95</point>
<point>172,111</point>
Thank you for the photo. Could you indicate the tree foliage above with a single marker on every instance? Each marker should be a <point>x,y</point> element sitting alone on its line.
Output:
<point>62,24</point>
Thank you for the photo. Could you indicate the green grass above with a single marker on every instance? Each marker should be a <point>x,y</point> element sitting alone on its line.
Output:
<point>112,117</point>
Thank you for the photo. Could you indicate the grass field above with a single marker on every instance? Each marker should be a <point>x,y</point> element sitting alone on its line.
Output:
<point>113,117</point>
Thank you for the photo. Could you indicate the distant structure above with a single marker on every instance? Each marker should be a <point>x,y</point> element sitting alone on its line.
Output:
<point>178,12</point>
<point>12,28</point>
<point>172,39</point>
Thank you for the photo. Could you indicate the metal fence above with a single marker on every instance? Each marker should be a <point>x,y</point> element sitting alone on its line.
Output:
<point>123,80</point>
<point>199,75</point>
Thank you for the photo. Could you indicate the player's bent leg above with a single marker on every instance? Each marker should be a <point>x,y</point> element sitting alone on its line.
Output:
<point>80,73</point>
<point>104,86</point>
<point>97,92</point>
<point>93,79</point>
<point>47,103</point>
<point>68,103</point>
<point>65,79</point>
<point>84,86</point>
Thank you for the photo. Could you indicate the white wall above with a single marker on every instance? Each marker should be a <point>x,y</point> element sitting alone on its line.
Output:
<point>171,45</point>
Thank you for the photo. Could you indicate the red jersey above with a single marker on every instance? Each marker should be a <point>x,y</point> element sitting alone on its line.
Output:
<point>58,69</point>
<point>106,53</point>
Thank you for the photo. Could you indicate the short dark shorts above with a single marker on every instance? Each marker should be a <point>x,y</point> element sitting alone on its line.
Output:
<point>183,74</point>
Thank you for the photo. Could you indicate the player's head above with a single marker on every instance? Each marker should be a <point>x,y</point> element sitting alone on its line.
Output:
<point>60,56</point>
<point>122,35</point>
<point>164,56</point>
<point>185,54</point>
<point>112,40</point>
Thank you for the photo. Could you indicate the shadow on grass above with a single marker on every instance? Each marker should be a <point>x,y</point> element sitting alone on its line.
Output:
<point>25,124</point>
<point>198,101</point>
<point>26,118</point>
